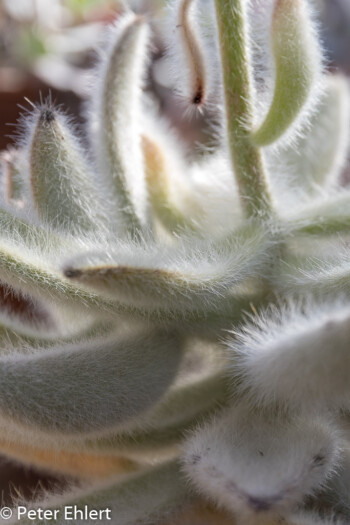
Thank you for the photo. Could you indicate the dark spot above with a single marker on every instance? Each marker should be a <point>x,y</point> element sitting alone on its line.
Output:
<point>47,115</point>
<point>198,97</point>
<point>195,458</point>
<point>261,453</point>
<point>71,273</point>
<point>23,306</point>
<point>318,460</point>
<point>259,504</point>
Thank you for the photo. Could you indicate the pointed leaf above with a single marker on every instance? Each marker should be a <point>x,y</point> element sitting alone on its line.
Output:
<point>193,81</point>
<point>297,69</point>
<point>118,140</point>
<point>63,192</point>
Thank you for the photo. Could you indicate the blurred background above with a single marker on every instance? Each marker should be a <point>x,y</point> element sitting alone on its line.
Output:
<point>49,46</point>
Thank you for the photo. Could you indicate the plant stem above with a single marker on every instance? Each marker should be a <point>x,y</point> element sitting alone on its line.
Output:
<point>245,157</point>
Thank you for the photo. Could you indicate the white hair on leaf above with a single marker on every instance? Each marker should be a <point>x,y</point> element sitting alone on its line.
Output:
<point>63,195</point>
<point>319,154</point>
<point>295,355</point>
<point>325,272</point>
<point>190,52</point>
<point>336,493</point>
<point>255,462</point>
<point>201,197</point>
<point>328,213</point>
<point>190,276</point>
<point>298,73</point>
<point>68,372</point>
<point>116,124</point>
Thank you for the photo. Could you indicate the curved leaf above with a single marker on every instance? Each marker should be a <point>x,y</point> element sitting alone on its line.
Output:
<point>309,338</point>
<point>196,276</point>
<point>87,388</point>
<point>297,69</point>
<point>117,125</point>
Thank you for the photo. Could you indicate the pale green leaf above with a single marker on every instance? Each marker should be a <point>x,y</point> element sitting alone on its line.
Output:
<point>319,154</point>
<point>117,126</point>
<point>195,276</point>
<point>82,388</point>
<point>61,184</point>
<point>297,68</point>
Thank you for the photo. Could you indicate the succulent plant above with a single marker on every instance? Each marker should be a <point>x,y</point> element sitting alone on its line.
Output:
<point>175,325</point>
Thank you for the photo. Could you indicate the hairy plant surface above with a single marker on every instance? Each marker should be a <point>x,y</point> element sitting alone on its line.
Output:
<point>175,325</point>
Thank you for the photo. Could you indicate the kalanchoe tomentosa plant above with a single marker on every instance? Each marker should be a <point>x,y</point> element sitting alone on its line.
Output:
<point>174,327</point>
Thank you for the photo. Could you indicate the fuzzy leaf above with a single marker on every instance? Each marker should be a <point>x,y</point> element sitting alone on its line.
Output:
<point>200,198</point>
<point>63,192</point>
<point>236,459</point>
<point>297,68</point>
<point>25,272</point>
<point>328,214</point>
<point>137,500</point>
<point>28,261</point>
<point>194,276</point>
<point>336,494</point>
<point>170,419</point>
<point>87,388</point>
<point>23,269</point>
<point>187,34</point>
<point>78,464</point>
<point>159,186</point>
<point>184,403</point>
<point>312,340</point>
<point>159,428</point>
<point>328,273</point>
<point>118,126</point>
<point>18,227</point>
<point>319,154</point>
